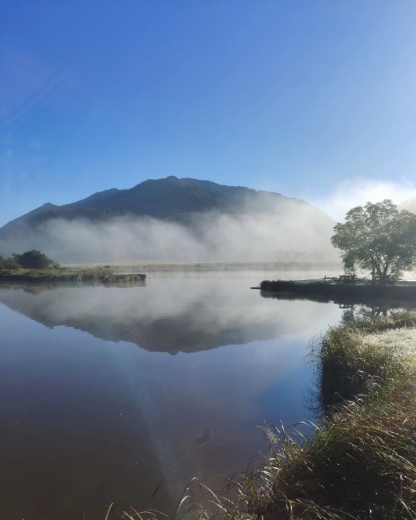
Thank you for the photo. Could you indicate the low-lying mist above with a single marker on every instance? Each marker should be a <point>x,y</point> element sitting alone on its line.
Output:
<point>293,231</point>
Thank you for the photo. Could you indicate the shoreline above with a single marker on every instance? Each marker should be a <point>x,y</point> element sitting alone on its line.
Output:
<point>341,293</point>
<point>69,276</point>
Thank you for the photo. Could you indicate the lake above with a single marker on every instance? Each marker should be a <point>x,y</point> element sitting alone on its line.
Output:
<point>124,394</point>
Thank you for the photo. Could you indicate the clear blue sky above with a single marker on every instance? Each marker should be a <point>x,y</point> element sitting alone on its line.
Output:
<point>290,95</point>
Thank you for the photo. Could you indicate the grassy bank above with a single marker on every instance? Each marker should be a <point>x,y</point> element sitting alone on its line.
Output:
<point>62,275</point>
<point>361,462</point>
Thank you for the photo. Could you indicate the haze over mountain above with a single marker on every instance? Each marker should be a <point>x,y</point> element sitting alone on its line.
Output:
<point>173,219</point>
<point>409,204</point>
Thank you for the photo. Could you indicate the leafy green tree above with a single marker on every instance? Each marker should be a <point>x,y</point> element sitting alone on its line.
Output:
<point>9,263</point>
<point>33,259</point>
<point>377,238</point>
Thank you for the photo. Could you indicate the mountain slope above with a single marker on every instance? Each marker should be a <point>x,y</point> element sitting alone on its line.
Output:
<point>174,219</point>
<point>167,199</point>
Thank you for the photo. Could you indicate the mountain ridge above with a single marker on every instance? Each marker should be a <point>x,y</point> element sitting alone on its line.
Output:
<point>173,219</point>
<point>170,198</point>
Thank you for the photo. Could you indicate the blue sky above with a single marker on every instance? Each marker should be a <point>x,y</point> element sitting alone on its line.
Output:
<point>308,98</point>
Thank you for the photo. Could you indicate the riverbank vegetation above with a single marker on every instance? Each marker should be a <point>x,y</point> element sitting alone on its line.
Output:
<point>360,462</point>
<point>32,259</point>
<point>64,275</point>
<point>35,267</point>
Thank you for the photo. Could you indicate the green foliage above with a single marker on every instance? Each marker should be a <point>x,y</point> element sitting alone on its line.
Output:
<point>348,364</point>
<point>378,238</point>
<point>9,263</point>
<point>33,259</point>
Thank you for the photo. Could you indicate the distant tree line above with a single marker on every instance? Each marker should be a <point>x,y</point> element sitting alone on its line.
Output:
<point>32,259</point>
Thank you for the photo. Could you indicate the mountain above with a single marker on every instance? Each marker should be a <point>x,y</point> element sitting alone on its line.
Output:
<point>174,219</point>
<point>166,199</point>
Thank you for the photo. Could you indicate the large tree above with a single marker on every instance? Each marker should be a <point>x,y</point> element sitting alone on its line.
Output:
<point>377,238</point>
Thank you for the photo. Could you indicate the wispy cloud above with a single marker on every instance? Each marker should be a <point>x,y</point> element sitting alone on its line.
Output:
<point>35,99</point>
<point>358,191</point>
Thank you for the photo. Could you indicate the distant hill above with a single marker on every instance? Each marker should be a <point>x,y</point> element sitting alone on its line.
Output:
<point>231,223</point>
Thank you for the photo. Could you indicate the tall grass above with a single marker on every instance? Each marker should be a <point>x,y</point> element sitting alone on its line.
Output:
<point>360,463</point>
<point>349,364</point>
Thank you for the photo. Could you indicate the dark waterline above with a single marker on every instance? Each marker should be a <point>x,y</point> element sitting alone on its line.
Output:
<point>110,393</point>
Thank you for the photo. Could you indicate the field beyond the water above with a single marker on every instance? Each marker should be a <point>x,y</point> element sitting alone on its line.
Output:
<point>166,266</point>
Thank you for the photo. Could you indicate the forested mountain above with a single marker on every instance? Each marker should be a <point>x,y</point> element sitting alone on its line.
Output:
<point>181,219</point>
<point>166,199</point>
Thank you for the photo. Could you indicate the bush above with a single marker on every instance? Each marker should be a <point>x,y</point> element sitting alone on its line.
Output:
<point>9,263</point>
<point>34,259</point>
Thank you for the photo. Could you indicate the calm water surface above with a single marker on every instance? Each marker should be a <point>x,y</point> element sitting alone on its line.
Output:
<point>108,394</point>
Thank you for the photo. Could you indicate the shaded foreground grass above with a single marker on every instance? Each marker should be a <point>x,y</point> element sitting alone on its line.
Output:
<point>360,463</point>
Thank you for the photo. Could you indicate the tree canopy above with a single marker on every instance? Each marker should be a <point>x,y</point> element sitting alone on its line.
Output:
<point>9,263</point>
<point>32,259</point>
<point>377,238</point>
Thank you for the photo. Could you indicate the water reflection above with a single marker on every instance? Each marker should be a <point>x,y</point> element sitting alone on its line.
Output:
<point>171,315</point>
<point>84,421</point>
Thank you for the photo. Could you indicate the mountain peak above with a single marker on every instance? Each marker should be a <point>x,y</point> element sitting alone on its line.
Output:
<point>172,199</point>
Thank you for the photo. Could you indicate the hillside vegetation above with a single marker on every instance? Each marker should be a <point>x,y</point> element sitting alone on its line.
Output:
<point>178,200</point>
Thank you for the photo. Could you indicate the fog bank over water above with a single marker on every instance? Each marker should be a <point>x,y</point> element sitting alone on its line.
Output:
<point>292,230</point>
<point>263,227</point>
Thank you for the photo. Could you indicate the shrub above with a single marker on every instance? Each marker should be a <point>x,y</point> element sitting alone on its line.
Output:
<point>34,259</point>
<point>9,263</point>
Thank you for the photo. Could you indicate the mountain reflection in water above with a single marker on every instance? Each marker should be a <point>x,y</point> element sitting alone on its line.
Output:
<point>84,422</point>
<point>170,315</point>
